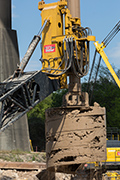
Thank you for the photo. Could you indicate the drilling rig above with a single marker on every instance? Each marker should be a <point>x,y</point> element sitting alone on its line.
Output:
<point>70,128</point>
<point>75,132</point>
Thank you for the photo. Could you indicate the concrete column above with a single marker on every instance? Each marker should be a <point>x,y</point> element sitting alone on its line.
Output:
<point>74,7</point>
<point>5,14</point>
<point>17,135</point>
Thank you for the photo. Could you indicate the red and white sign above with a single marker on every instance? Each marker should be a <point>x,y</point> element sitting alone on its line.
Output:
<point>49,48</point>
<point>118,153</point>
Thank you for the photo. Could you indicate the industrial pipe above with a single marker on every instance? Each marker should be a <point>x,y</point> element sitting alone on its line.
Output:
<point>74,7</point>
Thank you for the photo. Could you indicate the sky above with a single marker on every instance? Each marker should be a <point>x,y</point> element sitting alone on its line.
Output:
<point>99,15</point>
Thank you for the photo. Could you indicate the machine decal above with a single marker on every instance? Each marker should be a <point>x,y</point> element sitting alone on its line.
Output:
<point>118,153</point>
<point>49,48</point>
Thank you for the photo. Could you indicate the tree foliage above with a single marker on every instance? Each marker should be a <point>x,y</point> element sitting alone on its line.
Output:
<point>57,97</point>
<point>107,94</point>
<point>36,118</point>
<point>39,110</point>
<point>37,133</point>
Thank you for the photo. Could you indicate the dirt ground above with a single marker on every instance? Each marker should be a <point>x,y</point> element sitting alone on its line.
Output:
<point>18,156</point>
<point>31,175</point>
<point>18,175</point>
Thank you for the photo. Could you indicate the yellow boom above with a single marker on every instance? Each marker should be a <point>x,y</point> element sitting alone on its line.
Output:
<point>100,50</point>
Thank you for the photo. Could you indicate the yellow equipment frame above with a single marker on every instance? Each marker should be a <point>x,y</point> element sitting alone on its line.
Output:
<point>60,26</point>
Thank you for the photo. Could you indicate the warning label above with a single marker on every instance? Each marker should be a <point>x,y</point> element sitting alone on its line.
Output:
<point>49,48</point>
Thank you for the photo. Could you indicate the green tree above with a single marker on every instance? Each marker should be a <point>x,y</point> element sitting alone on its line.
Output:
<point>107,94</point>
<point>36,121</point>
<point>39,110</point>
<point>36,118</point>
<point>37,133</point>
<point>57,97</point>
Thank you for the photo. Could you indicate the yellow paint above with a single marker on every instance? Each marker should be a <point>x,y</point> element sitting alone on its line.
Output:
<point>31,145</point>
<point>52,38</point>
<point>113,154</point>
<point>55,28</point>
<point>112,136</point>
<point>56,39</point>
<point>113,175</point>
<point>52,51</point>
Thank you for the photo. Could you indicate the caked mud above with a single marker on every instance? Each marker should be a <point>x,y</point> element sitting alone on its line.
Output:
<point>75,136</point>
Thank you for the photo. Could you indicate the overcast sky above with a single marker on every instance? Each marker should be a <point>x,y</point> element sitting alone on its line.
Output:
<point>100,15</point>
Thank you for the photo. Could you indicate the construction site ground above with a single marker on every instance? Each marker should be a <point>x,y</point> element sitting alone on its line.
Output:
<point>17,165</point>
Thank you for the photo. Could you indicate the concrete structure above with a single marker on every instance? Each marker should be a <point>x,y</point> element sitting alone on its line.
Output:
<point>9,55</point>
<point>5,14</point>
<point>17,135</point>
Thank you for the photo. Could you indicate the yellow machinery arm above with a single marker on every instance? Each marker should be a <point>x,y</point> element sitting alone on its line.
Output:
<point>100,50</point>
